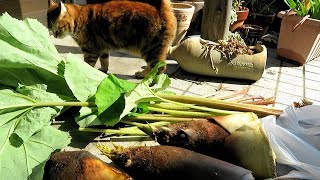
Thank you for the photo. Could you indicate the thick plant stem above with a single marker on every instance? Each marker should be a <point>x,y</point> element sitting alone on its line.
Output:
<point>158,117</point>
<point>51,104</point>
<point>184,113</point>
<point>132,131</point>
<point>261,111</point>
<point>129,131</point>
<point>170,106</point>
<point>217,112</point>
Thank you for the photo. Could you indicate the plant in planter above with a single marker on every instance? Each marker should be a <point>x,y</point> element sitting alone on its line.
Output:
<point>299,38</point>
<point>262,13</point>
<point>216,53</point>
<point>239,14</point>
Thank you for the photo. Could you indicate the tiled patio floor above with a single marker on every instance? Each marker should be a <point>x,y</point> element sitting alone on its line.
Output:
<point>285,81</point>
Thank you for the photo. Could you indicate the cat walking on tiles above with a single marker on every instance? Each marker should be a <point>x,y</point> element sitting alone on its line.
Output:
<point>146,28</point>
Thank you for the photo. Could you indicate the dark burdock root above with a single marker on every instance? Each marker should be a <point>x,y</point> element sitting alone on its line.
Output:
<point>80,165</point>
<point>168,162</point>
<point>202,136</point>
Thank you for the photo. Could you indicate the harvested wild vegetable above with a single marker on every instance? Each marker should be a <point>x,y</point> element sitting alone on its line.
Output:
<point>238,139</point>
<point>168,162</point>
<point>80,165</point>
<point>203,136</point>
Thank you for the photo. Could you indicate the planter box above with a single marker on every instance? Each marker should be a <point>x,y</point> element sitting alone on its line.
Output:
<point>22,9</point>
<point>301,45</point>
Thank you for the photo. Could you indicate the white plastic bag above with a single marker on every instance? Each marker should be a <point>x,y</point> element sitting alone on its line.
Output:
<point>295,139</point>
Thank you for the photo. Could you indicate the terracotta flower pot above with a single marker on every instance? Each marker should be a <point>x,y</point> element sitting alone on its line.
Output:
<point>194,56</point>
<point>302,44</point>
<point>241,17</point>
<point>183,12</point>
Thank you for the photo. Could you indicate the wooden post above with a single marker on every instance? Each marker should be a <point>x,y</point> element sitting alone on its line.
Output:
<point>216,19</point>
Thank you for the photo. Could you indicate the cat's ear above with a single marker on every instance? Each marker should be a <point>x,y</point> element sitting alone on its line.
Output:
<point>63,9</point>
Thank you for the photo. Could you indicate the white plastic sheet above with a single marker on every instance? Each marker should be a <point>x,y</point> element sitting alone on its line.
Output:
<point>295,139</point>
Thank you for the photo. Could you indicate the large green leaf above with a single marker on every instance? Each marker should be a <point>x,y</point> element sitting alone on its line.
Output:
<point>22,160</point>
<point>22,124</point>
<point>88,116</point>
<point>31,76</point>
<point>142,92</point>
<point>82,79</point>
<point>110,98</point>
<point>28,56</point>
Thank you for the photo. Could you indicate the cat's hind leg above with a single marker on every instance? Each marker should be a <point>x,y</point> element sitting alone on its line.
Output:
<point>104,61</point>
<point>90,58</point>
<point>152,57</point>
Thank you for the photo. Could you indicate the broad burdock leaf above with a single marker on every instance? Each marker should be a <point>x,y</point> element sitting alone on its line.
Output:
<point>110,99</point>
<point>28,56</point>
<point>34,71</point>
<point>162,82</point>
<point>115,98</point>
<point>82,79</point>
<point>88,116</point>
<point>26,159</point>
<point>142,92</point>
<point>21,124</point>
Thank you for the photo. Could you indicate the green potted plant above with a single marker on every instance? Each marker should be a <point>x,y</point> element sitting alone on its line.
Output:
<point>299,38</point>
<point>262,13</point>
<point>239,14</point>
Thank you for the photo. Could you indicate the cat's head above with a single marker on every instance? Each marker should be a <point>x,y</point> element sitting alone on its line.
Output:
<point>60,21</point>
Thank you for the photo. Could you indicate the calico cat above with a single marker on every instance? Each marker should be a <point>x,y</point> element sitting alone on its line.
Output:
<point>146,27</point>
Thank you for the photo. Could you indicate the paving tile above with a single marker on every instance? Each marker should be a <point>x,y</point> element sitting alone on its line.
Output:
<point>202,89</point>
<point>180,84</point>
<point>310,84</point>
<point>315,62</point>
<point>235,85</point>
<point>261,91</point>
<point>312,68</point>
<point>292,71</point>
<point>287,99</point>
<point>291,79</point>
<point>290,89</point>
<point>191,94</point>
<point>313,94</point>
<point>266,83</point>
<point>125,65</point>
<point>211,81</point>
<point>271,74</point>
<point>65,41</point>
<point>312,76</point>
<point>176,91</point>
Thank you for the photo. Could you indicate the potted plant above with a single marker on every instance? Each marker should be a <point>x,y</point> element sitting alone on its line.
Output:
<point>217,52</point>
<point>262,13</point>
<point>299,38</point>
<point>239,14</point>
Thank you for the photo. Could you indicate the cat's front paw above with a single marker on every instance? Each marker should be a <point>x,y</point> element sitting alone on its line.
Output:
<point>141,74</point>
<point>103,70</point>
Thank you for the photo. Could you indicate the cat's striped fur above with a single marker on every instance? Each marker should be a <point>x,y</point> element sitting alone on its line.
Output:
<point>146,27</point>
